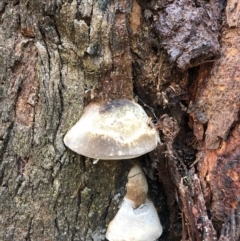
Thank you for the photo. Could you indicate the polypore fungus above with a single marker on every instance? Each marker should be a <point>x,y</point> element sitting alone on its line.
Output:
<point>137,218</point>
<point>115,129</point>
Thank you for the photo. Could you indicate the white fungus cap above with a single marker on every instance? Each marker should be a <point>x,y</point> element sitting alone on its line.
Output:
<point>140,224</point>
<point>133,223</point>
<point>116,129</point>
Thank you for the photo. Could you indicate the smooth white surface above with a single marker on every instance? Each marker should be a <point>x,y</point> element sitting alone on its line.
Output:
<point>140,224</point>
<point>112,130</point>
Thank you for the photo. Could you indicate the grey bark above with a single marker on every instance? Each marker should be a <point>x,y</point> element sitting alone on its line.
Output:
<point>48,192</point>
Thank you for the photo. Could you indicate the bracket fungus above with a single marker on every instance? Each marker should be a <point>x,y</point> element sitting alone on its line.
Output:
<point>116,129</point>
<point>137,218</point>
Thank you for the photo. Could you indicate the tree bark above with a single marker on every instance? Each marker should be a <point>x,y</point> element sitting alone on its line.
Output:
<point>178,59</point>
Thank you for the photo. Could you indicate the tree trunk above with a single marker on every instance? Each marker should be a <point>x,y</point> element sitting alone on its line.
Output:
<point>179,60</point>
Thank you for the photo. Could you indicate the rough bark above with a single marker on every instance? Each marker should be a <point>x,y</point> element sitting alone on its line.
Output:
<point>57,56</point>
<point>219,169</point>
<point>47,64</point>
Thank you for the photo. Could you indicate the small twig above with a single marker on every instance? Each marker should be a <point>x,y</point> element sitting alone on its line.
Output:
<point>152,110</point>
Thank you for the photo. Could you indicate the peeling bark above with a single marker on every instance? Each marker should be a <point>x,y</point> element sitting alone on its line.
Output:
<point>189,31</point>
